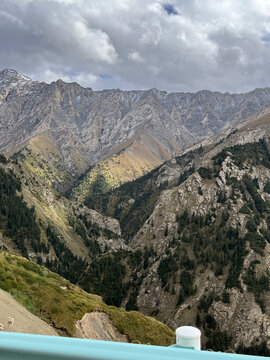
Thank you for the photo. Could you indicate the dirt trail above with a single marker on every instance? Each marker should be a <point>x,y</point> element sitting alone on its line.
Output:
<point>98,326</point>
<point>15,318</point>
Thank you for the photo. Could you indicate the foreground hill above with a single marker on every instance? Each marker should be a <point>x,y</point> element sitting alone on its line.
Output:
<point>62,304</point>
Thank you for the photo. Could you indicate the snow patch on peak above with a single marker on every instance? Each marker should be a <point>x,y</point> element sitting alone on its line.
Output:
<point>12,78</point>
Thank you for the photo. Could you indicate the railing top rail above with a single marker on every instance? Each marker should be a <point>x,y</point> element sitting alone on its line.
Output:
<point>40,347</point>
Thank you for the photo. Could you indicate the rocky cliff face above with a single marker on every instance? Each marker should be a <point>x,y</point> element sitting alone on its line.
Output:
<point>211,260</point>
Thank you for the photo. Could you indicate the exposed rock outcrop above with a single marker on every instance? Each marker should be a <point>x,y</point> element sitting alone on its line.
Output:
<point>98,326</point>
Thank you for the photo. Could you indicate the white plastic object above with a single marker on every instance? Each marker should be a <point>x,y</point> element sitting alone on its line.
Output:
<point>188,336</point>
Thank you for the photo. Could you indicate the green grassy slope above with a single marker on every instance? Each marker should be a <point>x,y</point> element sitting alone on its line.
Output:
<point>61,304</point>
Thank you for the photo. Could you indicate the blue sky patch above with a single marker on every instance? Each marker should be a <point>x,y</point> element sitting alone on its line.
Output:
<point>170,9</point>
<point>105,76</point>
<point>266,38</point>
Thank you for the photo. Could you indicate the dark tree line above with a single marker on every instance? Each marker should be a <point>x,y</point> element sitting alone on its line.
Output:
<point>18,220</point>
<point>105,277</point>
<point>66,263</point>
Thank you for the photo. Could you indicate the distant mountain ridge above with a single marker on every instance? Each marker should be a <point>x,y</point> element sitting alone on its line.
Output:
<point>84,126</point>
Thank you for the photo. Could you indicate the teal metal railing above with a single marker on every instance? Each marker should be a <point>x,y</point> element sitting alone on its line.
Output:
<point>14,346</point>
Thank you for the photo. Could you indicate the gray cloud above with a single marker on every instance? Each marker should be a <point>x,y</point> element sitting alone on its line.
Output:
<point>176,46</point>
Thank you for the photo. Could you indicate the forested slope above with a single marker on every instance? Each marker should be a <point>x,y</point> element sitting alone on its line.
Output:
<point>201,257</point>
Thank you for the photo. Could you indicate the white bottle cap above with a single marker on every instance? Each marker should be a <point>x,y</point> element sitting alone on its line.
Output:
<point>188,336</point>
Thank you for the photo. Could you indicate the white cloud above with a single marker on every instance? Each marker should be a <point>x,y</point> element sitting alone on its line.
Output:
<point>48,75</point>
<point>151,33</point>
<point>95,43</point>
<point>208,44</point>
<point>135,56</point>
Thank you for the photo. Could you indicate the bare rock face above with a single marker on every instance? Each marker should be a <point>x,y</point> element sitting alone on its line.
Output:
<point>112,240</point>
<point>98,326</point>
<point>104,222</point>
<point>86,126</point>
<point>244,316</point>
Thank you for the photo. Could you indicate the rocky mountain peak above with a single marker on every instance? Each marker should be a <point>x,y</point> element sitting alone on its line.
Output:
<point>11,78</point>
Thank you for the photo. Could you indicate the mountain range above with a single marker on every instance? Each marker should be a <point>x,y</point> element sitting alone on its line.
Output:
<point>158,202</point>
<point>74,128</point>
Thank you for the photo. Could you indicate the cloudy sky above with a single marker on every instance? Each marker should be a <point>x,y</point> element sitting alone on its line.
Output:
<point>174,45</point>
